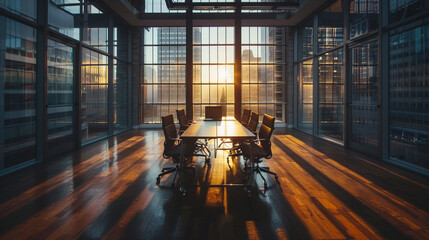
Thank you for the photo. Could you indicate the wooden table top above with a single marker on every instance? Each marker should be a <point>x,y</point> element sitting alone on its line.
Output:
<point>227,128</point>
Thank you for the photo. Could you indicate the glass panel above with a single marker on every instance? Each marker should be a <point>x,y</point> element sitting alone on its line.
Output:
<point>409,96</point>
<point>363,17</point>
<point>94,88</point>
<point>263,65</point>
<point>60,90</point>
<point>17,92</point>
<point>305,95</point>
<point>364,109</point>
<point>164,71</point>
<point>331,90</point>
<point>214,74</point>
<point>25,8</point>
<point>402,9</point>
<point>331,27</point>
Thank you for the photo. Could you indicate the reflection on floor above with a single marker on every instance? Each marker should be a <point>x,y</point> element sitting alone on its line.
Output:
<point>107,190</point>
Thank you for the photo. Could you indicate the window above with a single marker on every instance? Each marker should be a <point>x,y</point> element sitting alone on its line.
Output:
<point>305,95</point>
<point>263,68</point>
<point>94,97</point>
<point>17,92</point>
<point>331,90</point>
<point>331,27</point>
<point>164,69</point>
<point>213,68</point>
<point>409,87</point>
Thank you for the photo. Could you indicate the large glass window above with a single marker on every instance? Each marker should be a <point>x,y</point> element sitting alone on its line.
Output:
<point>25,8</point>
<point>263,68</point>
<point>17,92</point>
<point>305,95</point>
<point>164,69</point>
<point>400,10</point>
<point>305,39</point>
<point>409,95</point>
<point>60,90</point>
<point>213,68</point>
<point>364,105</point>
<point>331,27</point>
<point>331,89</point>
<point>94,97</point>
<point>363,17</point>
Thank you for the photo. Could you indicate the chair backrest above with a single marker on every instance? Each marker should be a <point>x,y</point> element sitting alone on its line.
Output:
<point>246,116</point>
<point>265,132</point>
<point>183,120</point>
<point>213,112</point>
<point>253,123</point>
<point>268,121</point>
<point>170,131</point>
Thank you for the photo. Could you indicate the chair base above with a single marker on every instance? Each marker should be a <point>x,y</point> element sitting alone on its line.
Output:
<point>176,169</point>
<point>258,170</point>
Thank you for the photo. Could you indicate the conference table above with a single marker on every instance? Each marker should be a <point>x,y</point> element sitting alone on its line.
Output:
<point>226,128</point>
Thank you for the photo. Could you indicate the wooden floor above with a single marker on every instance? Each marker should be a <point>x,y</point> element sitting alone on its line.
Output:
<point>107,191</point>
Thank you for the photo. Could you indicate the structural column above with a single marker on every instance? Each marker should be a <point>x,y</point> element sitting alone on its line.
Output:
<point>189,66</point>
<point>41,80</point>
<point>237,63</point>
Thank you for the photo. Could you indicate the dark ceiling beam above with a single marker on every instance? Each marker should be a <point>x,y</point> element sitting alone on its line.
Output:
<point>285,5</point>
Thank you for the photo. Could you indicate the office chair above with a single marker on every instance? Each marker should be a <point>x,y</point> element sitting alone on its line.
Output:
<point>246,117</point>
<point>183,120</point>
<point>260,149</point>
<point>213,113</point>
<point>172,149</point>
<point>235,151</point>
<point>253,122</point>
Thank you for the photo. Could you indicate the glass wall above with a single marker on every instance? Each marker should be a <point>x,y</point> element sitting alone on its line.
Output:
<point>164,66</point>
<point>363,17</point>
<point>24,8</point>
<point>330,32</point>
<point>94,95</point>
<point>364,105</point>
<point>409,94</point>
<point>331,91</point>
<point>305,96</point>
<point>60,90</point>
<point>17,92</point>
<point>213,69</point>
<point>263,63</point>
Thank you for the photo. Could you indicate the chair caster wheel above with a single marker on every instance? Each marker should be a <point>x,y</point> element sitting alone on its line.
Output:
<point>158,180</point>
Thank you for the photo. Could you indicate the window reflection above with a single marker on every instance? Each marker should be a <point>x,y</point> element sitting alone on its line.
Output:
<point>60,90</point>
<point>305,95</point>
<point>331,89</point>
<point>409,94</point>
<point>17,92</point>
<point>94,99</point>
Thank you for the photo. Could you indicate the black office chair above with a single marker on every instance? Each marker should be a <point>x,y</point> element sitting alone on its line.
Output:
<point>172,149</point>
<point>246,117</point>
<point>260,149</point>
<point>235,150</point>
<point>184,123</point>
<point>253,122</point>
<point>214,113</point>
